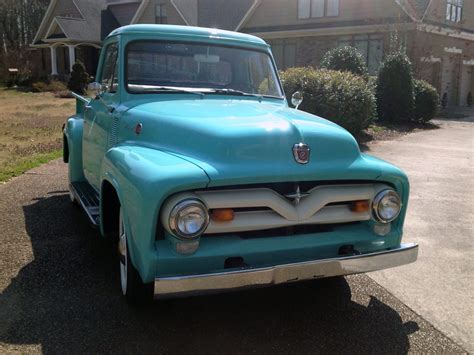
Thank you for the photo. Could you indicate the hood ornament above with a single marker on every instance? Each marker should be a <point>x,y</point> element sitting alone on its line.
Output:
<point>301,153</point>
<point>297,196</point>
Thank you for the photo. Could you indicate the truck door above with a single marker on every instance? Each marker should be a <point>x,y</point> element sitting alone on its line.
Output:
<point>99,116</point>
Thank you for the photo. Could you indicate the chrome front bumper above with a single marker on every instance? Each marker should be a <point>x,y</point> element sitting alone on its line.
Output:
<point>166,287</point>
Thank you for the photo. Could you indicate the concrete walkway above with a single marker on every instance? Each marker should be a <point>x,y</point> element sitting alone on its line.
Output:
<point>440,285</point>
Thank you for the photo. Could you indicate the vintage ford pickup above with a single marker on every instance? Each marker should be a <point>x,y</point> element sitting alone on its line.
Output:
<point>189,155</point>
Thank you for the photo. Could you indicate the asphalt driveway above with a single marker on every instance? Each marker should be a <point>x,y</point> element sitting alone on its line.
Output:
<point>440,285</point>
<point>59,293</point>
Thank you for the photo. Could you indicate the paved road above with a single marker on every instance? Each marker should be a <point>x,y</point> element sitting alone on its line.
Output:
<point>440,285</point>
<point>59,293</point>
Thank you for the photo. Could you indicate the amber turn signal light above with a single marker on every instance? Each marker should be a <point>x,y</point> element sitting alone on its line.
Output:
<point>360,206</point>
<point>222,215</point>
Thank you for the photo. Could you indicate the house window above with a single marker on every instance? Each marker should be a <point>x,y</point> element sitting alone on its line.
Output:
<point>160,14</point>
<point>454,10</point>
<point>284,52</point>
<point>317,8</point>
<point>371,48</point>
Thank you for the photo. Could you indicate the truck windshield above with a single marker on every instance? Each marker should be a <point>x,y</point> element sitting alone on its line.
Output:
<point>155,66</point>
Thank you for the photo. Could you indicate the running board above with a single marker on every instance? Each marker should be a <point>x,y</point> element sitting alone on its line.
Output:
<point>88,198</point>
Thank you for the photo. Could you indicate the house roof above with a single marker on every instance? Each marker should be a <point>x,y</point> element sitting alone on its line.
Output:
<point>223,14</point>
<point>83,26</point>
<point>79,30</point>
<point>87,28</point>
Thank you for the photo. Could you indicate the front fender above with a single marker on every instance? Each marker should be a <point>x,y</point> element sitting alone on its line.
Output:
<point>73,132</point>
<point>143,178</point>
<point>396,177</point>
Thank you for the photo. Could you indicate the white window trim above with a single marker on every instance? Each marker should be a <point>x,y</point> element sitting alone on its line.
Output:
<point>457,5</point>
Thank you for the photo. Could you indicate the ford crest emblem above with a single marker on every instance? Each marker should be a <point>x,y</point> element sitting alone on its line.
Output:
<point>301,153</point>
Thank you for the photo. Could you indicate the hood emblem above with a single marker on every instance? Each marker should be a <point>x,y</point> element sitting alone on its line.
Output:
<point>296,196</point>
<point>301,153</point>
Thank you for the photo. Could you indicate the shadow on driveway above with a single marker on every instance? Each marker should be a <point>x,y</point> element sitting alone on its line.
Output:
<point>68,300</point>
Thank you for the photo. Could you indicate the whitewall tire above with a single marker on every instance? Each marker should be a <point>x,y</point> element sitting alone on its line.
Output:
<point>133,288</point>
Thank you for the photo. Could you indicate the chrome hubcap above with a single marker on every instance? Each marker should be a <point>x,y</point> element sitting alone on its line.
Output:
<point>122,246</point>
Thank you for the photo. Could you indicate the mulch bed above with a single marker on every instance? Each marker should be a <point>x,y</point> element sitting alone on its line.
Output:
<point>387,131</point>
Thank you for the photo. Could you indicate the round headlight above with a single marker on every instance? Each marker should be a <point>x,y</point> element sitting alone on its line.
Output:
<point>386,206</point>
<point>188,219</point>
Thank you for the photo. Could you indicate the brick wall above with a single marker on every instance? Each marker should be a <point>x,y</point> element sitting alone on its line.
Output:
<point>442,68</point>
<point>310,50</point>
<point>285,12</point>
<point>437,13</point>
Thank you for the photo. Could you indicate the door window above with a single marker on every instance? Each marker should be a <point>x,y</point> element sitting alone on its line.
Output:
<point>110,69</point>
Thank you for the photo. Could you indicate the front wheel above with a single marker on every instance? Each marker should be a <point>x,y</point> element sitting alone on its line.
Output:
<point>133,288</point>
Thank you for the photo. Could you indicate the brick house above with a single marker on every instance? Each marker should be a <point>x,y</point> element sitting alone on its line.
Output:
<point>438,34</point>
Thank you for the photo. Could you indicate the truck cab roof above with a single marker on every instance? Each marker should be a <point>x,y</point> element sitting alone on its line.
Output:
<point>189,33</point>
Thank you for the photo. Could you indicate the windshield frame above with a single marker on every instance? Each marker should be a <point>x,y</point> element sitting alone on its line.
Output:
<point>261,50</point>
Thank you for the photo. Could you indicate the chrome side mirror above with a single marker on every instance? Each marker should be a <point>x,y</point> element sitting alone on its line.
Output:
<point>97,88</point>
<point>297,99</point>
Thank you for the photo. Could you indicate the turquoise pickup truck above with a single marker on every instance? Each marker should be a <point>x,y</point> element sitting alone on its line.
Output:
<point>189,156</point>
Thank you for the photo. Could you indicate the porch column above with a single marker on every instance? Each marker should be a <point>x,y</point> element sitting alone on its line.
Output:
<point>54,62</point>
<point>72,56</point>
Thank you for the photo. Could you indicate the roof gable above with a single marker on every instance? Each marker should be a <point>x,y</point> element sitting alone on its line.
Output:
<point>77,20</point>
<point>416,9</point>
<point>124,13</point>
<point>55,31</point>
<point>222,14</point>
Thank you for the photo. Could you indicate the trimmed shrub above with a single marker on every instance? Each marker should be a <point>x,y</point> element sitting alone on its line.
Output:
<point>345,59</point>
<point>426,101</point>
<point>341,97</point>
<point>53,86</point>
<point>66,94</point>
<point>394,92</point>
<point>372,81</point>
<point>39,86</point>
<point>79,79</point>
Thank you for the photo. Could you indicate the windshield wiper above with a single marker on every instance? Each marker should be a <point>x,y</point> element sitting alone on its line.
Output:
<point>169,89</point>
<point>234,92</point>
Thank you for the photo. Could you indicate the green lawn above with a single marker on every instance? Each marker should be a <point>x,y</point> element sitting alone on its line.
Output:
<point>30,130</point>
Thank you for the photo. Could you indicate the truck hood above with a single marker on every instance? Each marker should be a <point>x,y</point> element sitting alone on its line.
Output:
<point>247,141</point>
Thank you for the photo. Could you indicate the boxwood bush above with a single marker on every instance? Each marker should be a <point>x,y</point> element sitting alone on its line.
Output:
<point>345,59</point>
<point>341,97</point>
<point>426,101</point>
<point>394,91</point>
<point>53,86</point>
<point>79,79</point>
